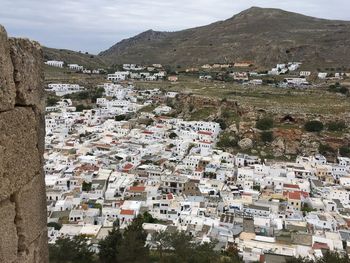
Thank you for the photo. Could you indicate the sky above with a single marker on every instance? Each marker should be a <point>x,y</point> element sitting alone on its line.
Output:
<point>95,25</point>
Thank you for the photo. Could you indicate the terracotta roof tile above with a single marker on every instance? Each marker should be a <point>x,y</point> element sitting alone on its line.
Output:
<point>127,212</point>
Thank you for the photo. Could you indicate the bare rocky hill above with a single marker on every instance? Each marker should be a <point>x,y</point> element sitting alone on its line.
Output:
<point>263,36</point>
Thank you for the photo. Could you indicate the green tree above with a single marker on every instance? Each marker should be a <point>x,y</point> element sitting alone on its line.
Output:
<point>86,187</point>
<point>109,247</point>
<point>325,149</point>
<point>313,126</point>
<point>205,253</point>
<point>299,260</point>
<point>97,93</point>
<point>227,140</point>
<point>336,126</point>
<point>172,135</point>
<point>222,124</point>
<point>82,95</point>
<point>162,241</point>
<point>266,136</point>
<point>120,117</point>
<point>55,225</point>
<point>82,107</point>
<point>344,151</point>
<point>148,218</point>
<point>231,255</point>
<point>331,257</point>
<point>337,88</point>
<point>182,246</point>
<point>51,101</point>
<point>328,257</point>
<point>75,250</point>
<point>265,123</point>
<point>132,247</point>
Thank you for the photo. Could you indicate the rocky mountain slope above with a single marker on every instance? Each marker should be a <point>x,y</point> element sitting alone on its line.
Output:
<point>69,56</point>
<point>264,36</point>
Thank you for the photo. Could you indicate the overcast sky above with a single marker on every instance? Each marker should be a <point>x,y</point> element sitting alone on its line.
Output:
<point>95,25</point>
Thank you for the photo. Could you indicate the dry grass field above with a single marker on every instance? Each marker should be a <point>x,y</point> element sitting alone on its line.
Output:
<point>283,100</point>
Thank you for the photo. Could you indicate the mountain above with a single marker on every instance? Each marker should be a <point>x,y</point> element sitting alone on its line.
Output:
<point>69,56</point>
<point>262,35</point>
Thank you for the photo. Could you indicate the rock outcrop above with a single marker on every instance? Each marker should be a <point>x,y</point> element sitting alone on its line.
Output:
<point>22,188</point>
<point>245,144</point>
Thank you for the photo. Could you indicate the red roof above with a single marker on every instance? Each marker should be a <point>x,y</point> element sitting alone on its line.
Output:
<point>320,246</point>
<point>304,194</point>
<point>291,186</point>
<point>87,167</point>
<point>294,195</point>
<point>119,203</point>
<point>137,188</point>
<point>127,212</point>
<point>205,133</point>
<point>170,196</point>
<point>128,166</point>
<point>148,132</point>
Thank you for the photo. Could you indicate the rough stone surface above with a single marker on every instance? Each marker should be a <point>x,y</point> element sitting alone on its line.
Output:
<point>278,147</point>
<point>7,85</point>
<point>23,232</point>
<point>8,244</point>
<point>20,158</point>
<point>34,252</point>
<point>29,210</point>
<point>27,61</point>
<point>245,144</point>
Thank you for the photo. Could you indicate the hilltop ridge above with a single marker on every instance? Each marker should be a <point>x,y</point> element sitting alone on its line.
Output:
<point>263,35</point>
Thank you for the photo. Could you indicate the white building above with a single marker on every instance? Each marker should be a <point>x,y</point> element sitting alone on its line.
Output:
<point>63,89</point>
<point>118,76</point>
<point>75,67</point>
<point>55,63</point>
<point>322,75</point>
<point>305,73</point>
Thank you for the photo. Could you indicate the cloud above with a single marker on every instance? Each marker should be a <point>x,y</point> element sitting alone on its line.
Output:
<point>94,25</point>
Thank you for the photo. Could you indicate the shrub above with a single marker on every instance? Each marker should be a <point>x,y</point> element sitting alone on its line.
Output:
<point>119,117</point>
<point>344,151</point>
<point>172,135</point>
<point>77,250</point>
<point>82,107</point>
<point>325,148</point>
<point>51,101</point>
<point>336,126</point>
<point>265,123</point>
<point>266,136</point>
<point>55,225</point>
<point>313,126</point>
<point>86,187</point>
<point>227,140</point>
<point>222,124</point>
<point>82,95</point>
<point>338,89</point>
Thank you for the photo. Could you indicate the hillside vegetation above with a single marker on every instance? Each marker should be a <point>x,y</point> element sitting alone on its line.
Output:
<point>263,36</point>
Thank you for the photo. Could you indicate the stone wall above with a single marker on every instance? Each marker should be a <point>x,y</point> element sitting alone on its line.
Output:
<point>23,233</point>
